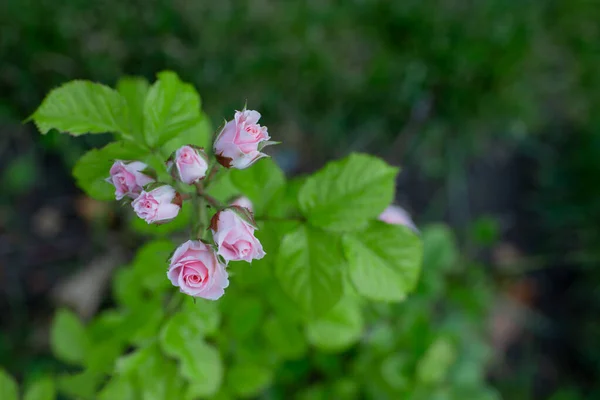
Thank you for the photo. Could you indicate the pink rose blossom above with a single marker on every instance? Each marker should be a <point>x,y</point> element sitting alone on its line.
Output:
<point>128,178</point>
<point>195,269</point>
<point>158,206</point>
<point>398,216</point>
<point>234,236</point>
<point>191,164</point>
<point>243,201</point>
<point>239,143</point>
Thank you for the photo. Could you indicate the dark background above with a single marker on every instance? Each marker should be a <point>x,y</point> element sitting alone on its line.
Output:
<point>491,107</point>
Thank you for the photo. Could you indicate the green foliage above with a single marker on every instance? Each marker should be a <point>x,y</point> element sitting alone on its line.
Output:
<point>134,91</point>
<point>68,338</point>
<point>20,175</point>
<point>8,387</point>
<point>382,261</point>
<point>340,328</point>
<point>259,183</point>
<point>309,268</point>
<point>435,364</point>
<point>346,194</point>
<point>80,107</point>
<point>336,297</point>
<point>90,170</point>
<point>439,250</point>
<point>199,362</point>
<point>171,107</point>
<point>247,380</point>
<point>42,389</point>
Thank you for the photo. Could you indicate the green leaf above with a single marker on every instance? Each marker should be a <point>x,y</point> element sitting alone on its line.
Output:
<point>68,338</point>
<point>244,318</point>
<point>203,314</point>
<point>309,267</point>
<point>134,91</point>
<point>80,107</point>
<point>248,380</point>
<point>151,263</point>
<point>340,328</point>
<point>284,338</point>
<point>127,289</point>
<point>384,261</point>
<point>200,363</point>
<point>171,108</point>
<point>199,134</point>
<point>436,363</point>
<point>151,375</point>
<point>396,372</point>
<point>42,389</point>
<point>8,387</point>
<point>128,365</point>
<point>20,175</point>
<point>345,194</point>
<point>440,252</point>
<point>79,386</point>
<point>147,319</point>
<point>93,168</point>
<point>117,388</point>
<point>259,183</point>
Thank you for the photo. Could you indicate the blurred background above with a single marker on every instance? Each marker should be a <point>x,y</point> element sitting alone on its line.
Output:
<point>491,107</point>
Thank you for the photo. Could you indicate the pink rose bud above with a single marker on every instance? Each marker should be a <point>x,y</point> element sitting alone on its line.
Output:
<point>397,216</point>
<point>243,201</point>
<point>239,143</point>
<point>233,232</point>
<point>128,179</point>
<point>158,206</point>
<point>191,164</point>
<point>195,269</point>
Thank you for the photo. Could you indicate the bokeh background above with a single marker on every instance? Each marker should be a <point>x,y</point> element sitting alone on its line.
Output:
<point>491,107</point>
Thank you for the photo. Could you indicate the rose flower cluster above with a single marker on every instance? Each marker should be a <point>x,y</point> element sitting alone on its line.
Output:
<point>197,267</point>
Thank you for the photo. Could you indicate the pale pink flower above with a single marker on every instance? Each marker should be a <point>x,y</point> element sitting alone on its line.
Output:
<point>196,270</point>
<point>158,206</point>
<point>398,216</point>
<point>191,164</point>
<point>127,178</point>
<point>239,143</point>
<point>243,201</point>
<point>233,234</point>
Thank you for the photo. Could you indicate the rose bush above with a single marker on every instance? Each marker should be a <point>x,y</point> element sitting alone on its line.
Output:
<point>319,256</point>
